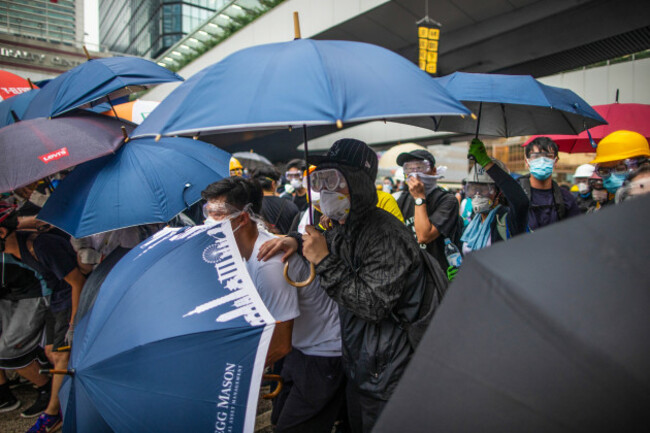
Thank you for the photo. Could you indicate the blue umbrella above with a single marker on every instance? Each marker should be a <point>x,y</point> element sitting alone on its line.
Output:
<point>176,341</point>
<point>514,105</point>
<point>16,104</point>
<point>300,83</point>
<point>143,182</point>
<point>96,81</point>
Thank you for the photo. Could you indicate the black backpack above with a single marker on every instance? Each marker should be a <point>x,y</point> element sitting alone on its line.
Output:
<point>435,289</point>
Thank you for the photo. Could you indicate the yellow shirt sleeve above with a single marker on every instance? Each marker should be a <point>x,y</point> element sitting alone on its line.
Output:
<point>388,203</point>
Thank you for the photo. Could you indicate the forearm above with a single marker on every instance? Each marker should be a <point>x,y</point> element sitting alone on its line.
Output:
<point>424,230</point>
<point>280,344</point>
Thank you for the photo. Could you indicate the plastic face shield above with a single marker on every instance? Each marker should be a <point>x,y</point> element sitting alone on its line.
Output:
<point>418,166</point>
<point>483,189</point>
<point>327,180</point>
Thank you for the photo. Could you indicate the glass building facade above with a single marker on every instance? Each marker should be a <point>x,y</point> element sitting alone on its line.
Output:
<point>53,21</point>
<point>147,28</point>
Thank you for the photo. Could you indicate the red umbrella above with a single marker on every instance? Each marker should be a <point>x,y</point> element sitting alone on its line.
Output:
<point>12,85</point>
<point>631,117</point>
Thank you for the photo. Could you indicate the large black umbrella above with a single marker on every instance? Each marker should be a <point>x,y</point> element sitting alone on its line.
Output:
<point>545,332</point>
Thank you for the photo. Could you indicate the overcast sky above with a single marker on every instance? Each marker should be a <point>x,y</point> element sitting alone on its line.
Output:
<point>91,24</point>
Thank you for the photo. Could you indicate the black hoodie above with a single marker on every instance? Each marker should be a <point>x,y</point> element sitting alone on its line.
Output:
<point>375,274</point>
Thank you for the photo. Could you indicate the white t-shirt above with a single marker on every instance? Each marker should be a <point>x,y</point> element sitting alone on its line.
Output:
<point>316,326</point>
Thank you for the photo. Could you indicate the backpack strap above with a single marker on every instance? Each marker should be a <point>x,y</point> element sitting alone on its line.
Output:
<point>558,199</point>
<point>502,226</point>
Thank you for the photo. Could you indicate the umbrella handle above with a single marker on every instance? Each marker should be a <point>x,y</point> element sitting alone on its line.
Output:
<point>308,281</point>
<point>274,378</point>
<point>54,371</point>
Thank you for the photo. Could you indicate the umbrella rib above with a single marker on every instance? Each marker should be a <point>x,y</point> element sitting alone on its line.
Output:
<point>505,119</point>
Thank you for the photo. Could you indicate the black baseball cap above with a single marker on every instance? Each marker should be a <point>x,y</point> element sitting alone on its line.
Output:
<point>353,153</point>
<point>420,154</point>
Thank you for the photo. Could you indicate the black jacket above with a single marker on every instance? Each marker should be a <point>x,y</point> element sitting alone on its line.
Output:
<point>375,274</point>
<point>515,214</point>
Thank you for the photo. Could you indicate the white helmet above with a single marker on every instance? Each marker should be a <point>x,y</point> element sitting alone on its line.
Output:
<point>478,174</point>
<point>584,170</point>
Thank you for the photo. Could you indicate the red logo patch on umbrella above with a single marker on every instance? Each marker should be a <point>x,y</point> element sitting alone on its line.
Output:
<point>52,156</point>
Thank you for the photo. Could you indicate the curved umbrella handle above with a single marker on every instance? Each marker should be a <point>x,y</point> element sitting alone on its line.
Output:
<point>308,281</point>
<point>274,378</point>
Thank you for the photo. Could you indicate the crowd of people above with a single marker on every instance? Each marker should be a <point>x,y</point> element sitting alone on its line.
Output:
<point>380,258</point>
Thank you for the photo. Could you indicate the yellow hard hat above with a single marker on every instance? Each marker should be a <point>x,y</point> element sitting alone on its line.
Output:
<point>235,164</point>
<point>621,145</point>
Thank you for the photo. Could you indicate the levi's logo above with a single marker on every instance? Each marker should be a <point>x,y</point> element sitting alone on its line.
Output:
<point>52,156</point>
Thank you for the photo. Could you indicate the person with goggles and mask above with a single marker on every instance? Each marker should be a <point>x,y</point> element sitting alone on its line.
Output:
<point>297,190</point>
<point>429,211</point>
<point>308,335</point>
<point>581,180</point>
<point>619,154</point>
<point>499,204</point>
<point>599,195</point>
<point>369,264</point>
<point>549,203</point>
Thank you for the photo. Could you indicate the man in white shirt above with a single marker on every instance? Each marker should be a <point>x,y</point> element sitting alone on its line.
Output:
<point>312,393</point>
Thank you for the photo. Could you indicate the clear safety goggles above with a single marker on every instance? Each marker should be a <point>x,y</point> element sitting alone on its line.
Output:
<point>219,210</point>
<point>420,166</point>
<point>293,175</point>
<point>536,155</point>
<point>596,184</point>
<point>621,168</point>
<point>236,172</point>
<point>329,179</point>
<point>483,189</point>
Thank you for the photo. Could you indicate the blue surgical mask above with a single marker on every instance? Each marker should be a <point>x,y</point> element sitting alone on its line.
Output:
<point>613,182</point>
<point>541,168</point>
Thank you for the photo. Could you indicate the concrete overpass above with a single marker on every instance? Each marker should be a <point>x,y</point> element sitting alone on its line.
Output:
<point>533,37</point>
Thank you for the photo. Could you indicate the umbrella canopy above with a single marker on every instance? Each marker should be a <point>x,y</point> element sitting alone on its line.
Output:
<point>93,81</point>
<point>300,83</point>
<point>133,111</point>
<point>252,157</point>
<point>144,182</point>
<point>34,149</point>
<point>17,104</point>
<point>514,105</point>
<point>630,117</point>
<point>12,85</point>
<point>389,158</point>
<point>176,340</point>
<point>535,335</point>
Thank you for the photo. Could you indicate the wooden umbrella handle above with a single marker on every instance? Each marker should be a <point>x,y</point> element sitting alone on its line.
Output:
<point>308,281</point>
<point>274,378</point>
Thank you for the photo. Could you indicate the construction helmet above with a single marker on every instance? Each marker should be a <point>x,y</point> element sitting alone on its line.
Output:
<point>621,145</point>
<point>584,170</point>
<point>236,168</point>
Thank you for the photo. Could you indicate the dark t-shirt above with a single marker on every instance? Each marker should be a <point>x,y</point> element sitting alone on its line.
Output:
<point>543,210</point>
<point>56,259</point>
<point>18,280</point>
<point>442,208</point>
<point>300,201</point>
<point>279,213</point>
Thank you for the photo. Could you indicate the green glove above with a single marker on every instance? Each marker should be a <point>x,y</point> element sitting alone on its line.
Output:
<point>451,272</point>
<point>478,152</point>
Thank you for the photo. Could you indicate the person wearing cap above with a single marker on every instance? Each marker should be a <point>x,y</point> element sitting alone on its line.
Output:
<point>429,211</point>
<point>370,265</point>
<point>499,203</point>
<point>549,203</point>
<point>307,336</point>
<point>617,155</point>
<point>581,180</point>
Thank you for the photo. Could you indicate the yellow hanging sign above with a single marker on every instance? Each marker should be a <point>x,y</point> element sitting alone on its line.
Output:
<point>428,43</point>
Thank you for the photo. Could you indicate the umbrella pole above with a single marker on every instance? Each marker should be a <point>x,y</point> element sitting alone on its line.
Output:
<point>112,107</point>
<point>309,209</point>
<point>478,126</point>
